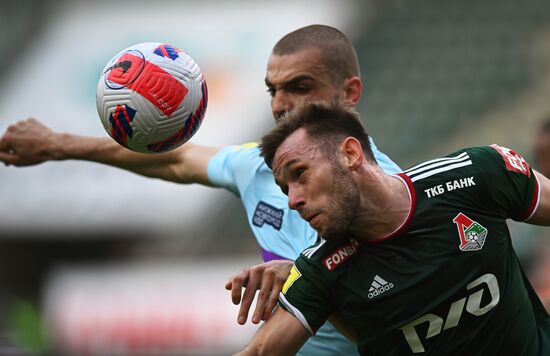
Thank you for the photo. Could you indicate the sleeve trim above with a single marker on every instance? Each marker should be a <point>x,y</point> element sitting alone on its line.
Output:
<point>535,201</point>
<point>296,313</point>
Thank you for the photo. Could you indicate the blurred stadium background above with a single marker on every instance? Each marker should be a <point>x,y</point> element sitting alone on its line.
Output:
<point>95,260</point>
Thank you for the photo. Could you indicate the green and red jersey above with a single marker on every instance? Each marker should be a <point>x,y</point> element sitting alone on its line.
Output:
<point>448,281</point>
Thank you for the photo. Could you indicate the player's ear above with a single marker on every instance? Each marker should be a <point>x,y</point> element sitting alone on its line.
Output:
<point>353,153</point>
<point>352,91</point>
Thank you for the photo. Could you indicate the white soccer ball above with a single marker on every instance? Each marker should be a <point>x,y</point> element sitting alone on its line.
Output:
<point>151,97</point>
<point>472,236</point>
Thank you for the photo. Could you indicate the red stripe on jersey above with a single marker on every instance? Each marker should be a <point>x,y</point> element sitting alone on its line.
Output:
<point>153,83</point>
<point>534,201</point>
<point>412,209</point>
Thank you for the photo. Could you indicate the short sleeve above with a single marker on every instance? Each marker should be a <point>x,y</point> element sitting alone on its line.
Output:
<point>306,295</point>
<point>234,167</point>
<point>511,182</point>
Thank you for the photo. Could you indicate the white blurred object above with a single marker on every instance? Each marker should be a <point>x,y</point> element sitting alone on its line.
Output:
<point>144,309</point>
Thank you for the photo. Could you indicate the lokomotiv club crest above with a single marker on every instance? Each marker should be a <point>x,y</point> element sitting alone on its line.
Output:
<point>472,234</point>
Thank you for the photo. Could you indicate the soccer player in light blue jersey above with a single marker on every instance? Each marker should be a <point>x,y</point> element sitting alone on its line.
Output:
<point>313,63</point>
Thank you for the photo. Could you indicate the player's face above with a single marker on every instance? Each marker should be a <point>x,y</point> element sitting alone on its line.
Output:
<point>298,78</point>
<point>317,187</point>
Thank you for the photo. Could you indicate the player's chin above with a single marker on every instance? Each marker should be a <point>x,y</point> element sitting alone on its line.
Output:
<point>319,230</point>
<point>316,228</point>
<point>328,235</point>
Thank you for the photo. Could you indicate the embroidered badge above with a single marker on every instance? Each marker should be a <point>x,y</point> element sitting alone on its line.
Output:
<point>472,234</point>
<point>268,214</point>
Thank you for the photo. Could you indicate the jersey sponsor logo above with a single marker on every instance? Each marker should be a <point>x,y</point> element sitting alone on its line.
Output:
<point>513,160</point>
<point>292,277</point>
<point>435,166</point>
<point>268,214</point>
<point>472,234</point>
<point>450,186</point>
<point>379,286</point>
<point>338,256</point>
<point>437,324</point>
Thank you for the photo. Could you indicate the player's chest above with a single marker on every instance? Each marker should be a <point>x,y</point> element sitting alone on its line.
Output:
<point>428,268</point>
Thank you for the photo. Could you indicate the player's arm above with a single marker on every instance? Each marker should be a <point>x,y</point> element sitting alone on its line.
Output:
<point>29,142</point>
<point>282,334</point>
<point>541,216</point>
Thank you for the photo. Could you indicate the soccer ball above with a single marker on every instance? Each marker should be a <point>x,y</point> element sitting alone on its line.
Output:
<point>151,97</point>
<point>472,236</point>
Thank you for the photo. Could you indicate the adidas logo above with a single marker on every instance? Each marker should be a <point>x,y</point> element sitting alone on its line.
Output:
<point>378,286</point>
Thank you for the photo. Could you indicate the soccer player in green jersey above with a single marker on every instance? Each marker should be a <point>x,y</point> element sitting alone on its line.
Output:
<point>419,262</point>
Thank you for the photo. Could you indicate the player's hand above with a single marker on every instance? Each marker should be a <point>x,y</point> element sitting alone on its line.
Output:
<point>267,277</point>
<point>27,142</point>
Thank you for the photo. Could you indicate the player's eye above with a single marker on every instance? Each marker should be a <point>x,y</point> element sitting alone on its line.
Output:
<point>301,89</point>
<point>299,173</point>
<point>271,92</point>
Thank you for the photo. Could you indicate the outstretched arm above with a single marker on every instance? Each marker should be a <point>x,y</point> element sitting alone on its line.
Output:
<point>282,334</point>
<point>29,142</point>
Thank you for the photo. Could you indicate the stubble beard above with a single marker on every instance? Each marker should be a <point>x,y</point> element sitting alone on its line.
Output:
<point>343,208</point>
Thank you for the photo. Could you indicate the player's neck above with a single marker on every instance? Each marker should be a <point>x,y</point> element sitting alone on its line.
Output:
<point>385,206</point>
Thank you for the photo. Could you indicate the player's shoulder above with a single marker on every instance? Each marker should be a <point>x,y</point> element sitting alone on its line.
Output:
<point>438,168</point>
<point>493,154</point>
<point>245,154</point>
<point>329,255</point>
<point>235,167</point>
<point>248,148</point>
<point>497,159</point>
<point>467,161</point>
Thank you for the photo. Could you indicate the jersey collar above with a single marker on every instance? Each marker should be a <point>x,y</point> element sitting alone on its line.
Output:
<point>412,198</point>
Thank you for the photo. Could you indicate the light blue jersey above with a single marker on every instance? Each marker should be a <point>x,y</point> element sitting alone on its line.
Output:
<point>280,232</point>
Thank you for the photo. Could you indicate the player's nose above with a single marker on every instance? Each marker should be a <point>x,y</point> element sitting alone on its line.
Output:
<point>280,104</point>
<point>296,200</point>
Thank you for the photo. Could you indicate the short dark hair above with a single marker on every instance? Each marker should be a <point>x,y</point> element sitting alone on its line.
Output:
<point>329,124</point>
<point>337,52</point>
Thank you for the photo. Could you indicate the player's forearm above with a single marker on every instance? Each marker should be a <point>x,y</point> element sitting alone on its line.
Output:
<point>282,334</point>
<point>171,166</point>
<point>29,142</point>
<point>266,349</point>
<point>274,346</point>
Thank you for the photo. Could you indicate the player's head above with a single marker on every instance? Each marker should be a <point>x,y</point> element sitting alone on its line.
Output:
<point>542,148</point>
<point>313,63</point>
<point>314,151</point>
